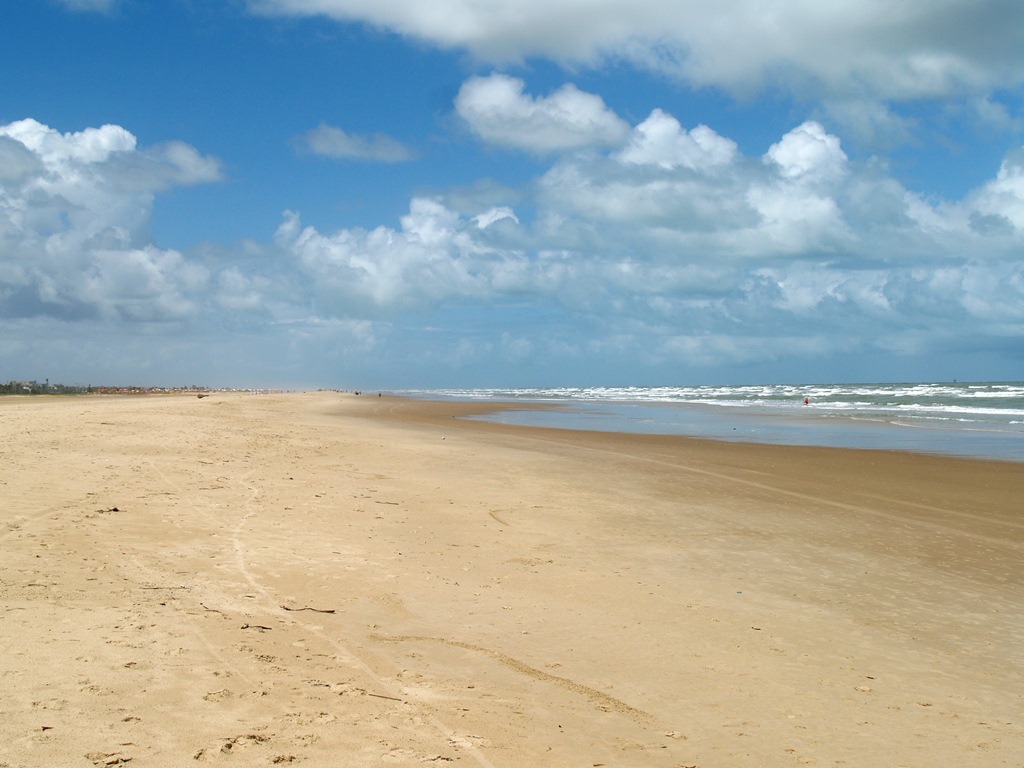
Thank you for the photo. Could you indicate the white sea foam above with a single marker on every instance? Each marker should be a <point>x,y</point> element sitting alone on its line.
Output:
<point>956,417</point>
<point>974,399</point>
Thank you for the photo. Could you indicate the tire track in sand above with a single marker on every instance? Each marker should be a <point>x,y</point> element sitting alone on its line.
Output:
<point>450,734</point>
<point>602,700</point>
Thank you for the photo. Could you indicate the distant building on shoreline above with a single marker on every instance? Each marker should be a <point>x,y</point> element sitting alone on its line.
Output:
<point>46,388</point>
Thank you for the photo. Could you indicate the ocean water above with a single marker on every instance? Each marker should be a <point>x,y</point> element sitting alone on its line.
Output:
<point>981,420</point>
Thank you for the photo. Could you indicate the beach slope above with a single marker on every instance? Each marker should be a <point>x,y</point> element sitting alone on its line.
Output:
<point>337,580</point>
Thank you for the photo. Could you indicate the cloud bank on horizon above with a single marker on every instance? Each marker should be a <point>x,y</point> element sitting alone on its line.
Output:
<point>631,249</point>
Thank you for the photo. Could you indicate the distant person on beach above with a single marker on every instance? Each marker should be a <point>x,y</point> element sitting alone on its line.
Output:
<point>807,401</point>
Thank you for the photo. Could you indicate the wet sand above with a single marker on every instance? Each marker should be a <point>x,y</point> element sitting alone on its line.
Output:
<point>332,580</point>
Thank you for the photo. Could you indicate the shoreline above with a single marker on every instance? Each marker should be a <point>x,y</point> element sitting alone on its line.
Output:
<point>484,412</point>
<point>764,426</point>
<point>339,580</point>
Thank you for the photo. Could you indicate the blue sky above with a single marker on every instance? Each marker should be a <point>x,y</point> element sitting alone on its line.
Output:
<point>392,194</point>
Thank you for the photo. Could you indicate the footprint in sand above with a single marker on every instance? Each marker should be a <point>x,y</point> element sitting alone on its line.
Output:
<point>107,758</point>
<point>231,746</point>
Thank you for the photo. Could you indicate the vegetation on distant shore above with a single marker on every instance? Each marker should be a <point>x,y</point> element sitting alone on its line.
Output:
<point>46,388</point>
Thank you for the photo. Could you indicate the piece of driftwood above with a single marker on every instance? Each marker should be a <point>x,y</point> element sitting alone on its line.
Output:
<point>315,610</point>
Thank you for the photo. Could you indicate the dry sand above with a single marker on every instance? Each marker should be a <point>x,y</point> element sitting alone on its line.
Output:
<point>332,580</point>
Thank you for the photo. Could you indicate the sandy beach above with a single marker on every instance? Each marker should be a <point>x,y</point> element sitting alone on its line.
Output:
<point>327,579</point>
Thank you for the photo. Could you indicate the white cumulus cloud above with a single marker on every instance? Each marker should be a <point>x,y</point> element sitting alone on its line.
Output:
<point>660,140</point>
<point>74,224</point>
<point>671,242</point>
<point>437,255</point>
<point>999,204</point>
<point>751,259</point>
<point>93,145</point>
<point>498,111</point>
<point>841,49</point>
<point>808,152</point>
<point>329,141</point>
